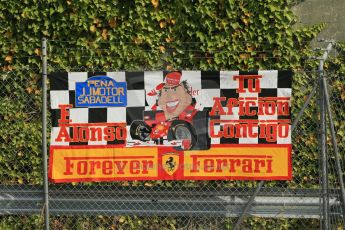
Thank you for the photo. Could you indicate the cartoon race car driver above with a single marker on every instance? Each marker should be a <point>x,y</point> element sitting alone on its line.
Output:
<point>178,119</point>
<point>174,97</point>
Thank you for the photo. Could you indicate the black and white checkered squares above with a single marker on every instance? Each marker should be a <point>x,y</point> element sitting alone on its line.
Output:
<point>204,87</point>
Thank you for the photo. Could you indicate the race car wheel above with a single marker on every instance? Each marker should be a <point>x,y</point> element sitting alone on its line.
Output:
<point>139,130</point>
<point>201,124</point>
<point>182,130</point>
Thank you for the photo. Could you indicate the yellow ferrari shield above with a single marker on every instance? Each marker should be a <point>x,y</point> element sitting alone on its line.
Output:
<point>170,162</point>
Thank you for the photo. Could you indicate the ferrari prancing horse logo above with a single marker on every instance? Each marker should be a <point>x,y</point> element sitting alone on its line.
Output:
<point>170,162</point>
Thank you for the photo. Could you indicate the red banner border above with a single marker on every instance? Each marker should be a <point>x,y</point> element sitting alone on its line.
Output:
<point>173,177</point>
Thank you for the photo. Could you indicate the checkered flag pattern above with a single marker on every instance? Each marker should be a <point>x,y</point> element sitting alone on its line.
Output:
<point>204,87</point>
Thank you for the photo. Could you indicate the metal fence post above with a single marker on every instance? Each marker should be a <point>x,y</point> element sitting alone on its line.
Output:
<point>324,176</point>
<point>248,205</point>
<point>323,144</point>
<point>324,107</point>
<point>336,150</point>
<point>261,183</point>
<point>44,132</point>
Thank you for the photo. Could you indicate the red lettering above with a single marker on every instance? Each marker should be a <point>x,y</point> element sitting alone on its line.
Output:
<point>269,166</point>
<point>146,165</point>
<point>241,130</point>
<point>64,114</point>
<point>283,108</point>
<point>248,112</point>
<point>270,107</point>
<point>283,131</point>
<point>121,133</point>
<point>195,165</point>
<point>109,133</point>
<point>258,164</point>
<point>68,167</point>
<point>271,133</point>
<point>212,131</point>
<point>261,108</point>
<point>228,131</point>
<point>251,84</point>
<point>251,132</point>
<point>84,134</point>
<point>220,164</point>
<point>107,167</point>
<point>262,133</point>
<point>63,135</point>
<point>82,167</point>
<point>247,166</point>
<point>217,108</point>
<point>93,166</point>
<point>232,102</point>
<point>251,80</point>
<point>96,134</point>
<point>233,164</point>
<point>120,165</point>
<point>208,165</point>
<point>75,136</point>
<point>241,109</point>
<point>134,167</point>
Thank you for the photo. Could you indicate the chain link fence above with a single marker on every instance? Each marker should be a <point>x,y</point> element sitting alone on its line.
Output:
<point>295,204</point>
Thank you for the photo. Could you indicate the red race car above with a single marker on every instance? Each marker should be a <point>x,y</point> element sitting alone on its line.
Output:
<point>188,131</point>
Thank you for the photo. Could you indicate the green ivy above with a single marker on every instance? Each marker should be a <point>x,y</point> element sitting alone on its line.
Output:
<point>85,35</point>
<point>141,34</point>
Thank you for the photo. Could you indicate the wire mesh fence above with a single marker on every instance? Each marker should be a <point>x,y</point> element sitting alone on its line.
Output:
<point>294,204</point>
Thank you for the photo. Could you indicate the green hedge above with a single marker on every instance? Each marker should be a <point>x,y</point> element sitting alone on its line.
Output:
<point>129,35</point>
<point>182,34</point>
<point>151,35</point>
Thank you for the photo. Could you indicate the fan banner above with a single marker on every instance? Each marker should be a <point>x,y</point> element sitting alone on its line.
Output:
<point>179,125</point>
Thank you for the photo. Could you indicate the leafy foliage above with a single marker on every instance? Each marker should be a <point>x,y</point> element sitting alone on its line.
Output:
<point>234,34</point>
<point>151,35</point>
